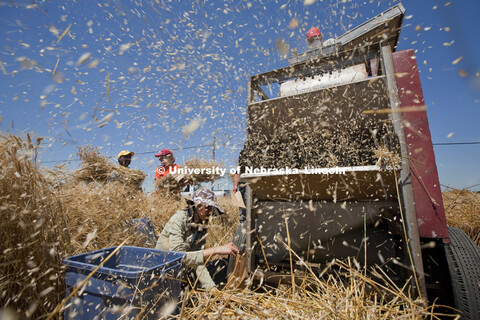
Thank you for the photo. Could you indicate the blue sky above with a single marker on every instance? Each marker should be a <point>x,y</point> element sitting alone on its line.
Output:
<point>146,75</point>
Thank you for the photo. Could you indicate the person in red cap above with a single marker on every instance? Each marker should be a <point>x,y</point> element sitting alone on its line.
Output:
<point>168,163</point>
<point>314,38</point>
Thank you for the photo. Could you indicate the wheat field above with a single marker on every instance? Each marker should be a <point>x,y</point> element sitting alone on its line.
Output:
<point>50,215</point>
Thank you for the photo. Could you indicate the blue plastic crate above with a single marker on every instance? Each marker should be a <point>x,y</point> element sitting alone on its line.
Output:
<point>135,282</point>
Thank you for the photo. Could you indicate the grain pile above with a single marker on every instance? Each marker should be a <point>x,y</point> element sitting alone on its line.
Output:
<point>337,126</point>
<point>462,209</point>
<point>342,145</point>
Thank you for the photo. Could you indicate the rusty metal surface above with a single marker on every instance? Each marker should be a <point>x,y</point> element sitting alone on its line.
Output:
<point>425,182</point>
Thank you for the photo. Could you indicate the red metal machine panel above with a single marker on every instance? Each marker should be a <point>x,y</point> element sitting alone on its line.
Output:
<point>426,186</point>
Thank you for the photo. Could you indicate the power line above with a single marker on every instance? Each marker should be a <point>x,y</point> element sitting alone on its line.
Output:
<point>454,143</point>
<point>202,146</point>
<point>146,152</point>
<point>209,145</point>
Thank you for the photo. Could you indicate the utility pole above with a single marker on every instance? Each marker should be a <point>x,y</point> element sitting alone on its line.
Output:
<point>213,149</point>
<point>213,156</point>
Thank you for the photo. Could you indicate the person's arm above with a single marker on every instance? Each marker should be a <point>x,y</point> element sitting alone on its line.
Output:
<point>228,249</point>
<point>242,163</point>
<point>177,243</point>
<point>203,275</point>
<point>236,180</point>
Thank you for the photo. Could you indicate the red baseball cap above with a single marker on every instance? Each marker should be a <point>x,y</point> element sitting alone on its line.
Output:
<point>164,152</point>
<point>314,32</point>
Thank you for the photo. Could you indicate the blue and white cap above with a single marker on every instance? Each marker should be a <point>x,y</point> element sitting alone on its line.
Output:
<point>207,197</point>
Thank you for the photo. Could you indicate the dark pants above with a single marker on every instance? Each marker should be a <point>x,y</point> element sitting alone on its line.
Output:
<point>217,269</point>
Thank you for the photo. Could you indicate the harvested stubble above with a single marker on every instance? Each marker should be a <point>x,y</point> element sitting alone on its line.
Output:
<point>462,209</point>
<point>347,295</point>
<point>97,168</point>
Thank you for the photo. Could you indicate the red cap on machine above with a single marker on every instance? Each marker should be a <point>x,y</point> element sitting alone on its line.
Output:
<point>312,33</point>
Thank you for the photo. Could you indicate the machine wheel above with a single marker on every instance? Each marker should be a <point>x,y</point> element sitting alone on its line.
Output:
<point>463,257</point>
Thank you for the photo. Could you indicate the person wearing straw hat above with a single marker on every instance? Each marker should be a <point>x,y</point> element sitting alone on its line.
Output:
<point>125,158</point>
<point>186,231</point>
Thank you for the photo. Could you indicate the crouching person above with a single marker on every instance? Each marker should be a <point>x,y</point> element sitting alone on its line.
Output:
<point>186,232</point>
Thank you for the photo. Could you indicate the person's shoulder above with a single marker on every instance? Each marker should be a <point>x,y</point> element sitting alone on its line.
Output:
<point>183,212</point>
<point>180,217</point>
<point>180,214</point>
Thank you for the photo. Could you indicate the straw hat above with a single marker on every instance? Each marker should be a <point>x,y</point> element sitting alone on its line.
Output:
<point>125,153</point>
